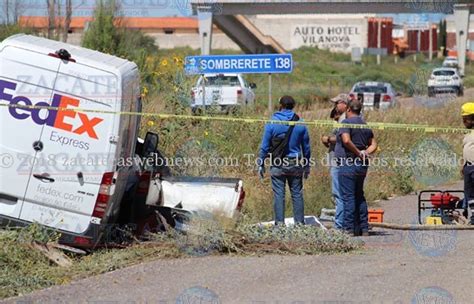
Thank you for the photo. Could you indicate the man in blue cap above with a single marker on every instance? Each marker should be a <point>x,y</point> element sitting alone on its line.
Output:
<point>288,149</point>
<point>467,112</point>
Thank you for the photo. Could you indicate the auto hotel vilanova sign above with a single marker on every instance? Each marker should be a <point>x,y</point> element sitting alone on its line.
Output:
<point>240,64</point>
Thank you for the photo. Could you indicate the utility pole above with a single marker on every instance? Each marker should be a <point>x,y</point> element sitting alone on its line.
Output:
<point>379,40</point>
<point>418,43</point>
<point>430,51</point>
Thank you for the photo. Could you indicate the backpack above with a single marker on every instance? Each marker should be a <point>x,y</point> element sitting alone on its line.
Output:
<point>279,144</point>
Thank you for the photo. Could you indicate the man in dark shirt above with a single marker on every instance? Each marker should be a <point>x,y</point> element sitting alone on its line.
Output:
<point>353,147</point>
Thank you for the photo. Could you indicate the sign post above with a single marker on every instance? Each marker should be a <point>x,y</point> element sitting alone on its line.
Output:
<point>379,39</point>
<point>270,105</point>
<point>240,64</point>
<point>203,85</point>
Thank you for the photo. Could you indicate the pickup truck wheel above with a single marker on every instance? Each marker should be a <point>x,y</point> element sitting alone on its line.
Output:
<point>197,111</point>
<point>231,110</point>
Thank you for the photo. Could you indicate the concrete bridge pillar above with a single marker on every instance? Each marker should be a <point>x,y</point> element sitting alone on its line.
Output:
<point>461,17</point>
<point>205,30</point>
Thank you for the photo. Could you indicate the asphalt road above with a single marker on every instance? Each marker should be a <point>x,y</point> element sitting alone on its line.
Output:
<point>394,267</point>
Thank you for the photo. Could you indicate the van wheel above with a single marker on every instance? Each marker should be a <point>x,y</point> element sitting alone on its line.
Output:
<point>460,92</point>
<point>431,92</point>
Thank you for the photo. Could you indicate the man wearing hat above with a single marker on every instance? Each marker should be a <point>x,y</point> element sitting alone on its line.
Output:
<point>288,149</point>
<point>339,114</point>
<point>340,104</point>
<point>468,156</point>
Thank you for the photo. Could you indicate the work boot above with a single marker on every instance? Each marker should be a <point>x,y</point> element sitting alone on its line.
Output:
<point>471,207</point>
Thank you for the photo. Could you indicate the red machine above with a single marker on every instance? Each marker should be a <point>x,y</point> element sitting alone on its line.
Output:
<point>444,200</point>
<point>443,204</point>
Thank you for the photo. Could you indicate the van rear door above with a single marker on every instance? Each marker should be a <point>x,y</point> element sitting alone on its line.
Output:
<point>26,78</point>
<point>76,150</point>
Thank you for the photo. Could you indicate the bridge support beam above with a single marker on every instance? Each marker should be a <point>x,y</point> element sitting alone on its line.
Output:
<point>461,17</point>
<point>205,30</point>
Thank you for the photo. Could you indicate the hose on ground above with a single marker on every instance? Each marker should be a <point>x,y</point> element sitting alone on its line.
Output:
<point>420,227</point>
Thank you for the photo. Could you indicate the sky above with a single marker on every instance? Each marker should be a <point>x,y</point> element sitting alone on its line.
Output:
<point>130,8</point>
<point>162,8</point>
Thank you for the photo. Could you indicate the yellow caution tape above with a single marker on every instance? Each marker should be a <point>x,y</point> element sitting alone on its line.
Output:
<point>317,123</point>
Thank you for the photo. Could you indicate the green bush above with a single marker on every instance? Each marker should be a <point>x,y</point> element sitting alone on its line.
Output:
<point>108,34</point>
<point>7,30</point>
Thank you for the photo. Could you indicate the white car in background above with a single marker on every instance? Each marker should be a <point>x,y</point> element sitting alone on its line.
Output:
<point>451,62</point>
<point>374,95</point>
<point>445,80</point>
<point>229,91</point>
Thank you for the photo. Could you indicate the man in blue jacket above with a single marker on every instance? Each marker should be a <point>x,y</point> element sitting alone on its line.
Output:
<point>291,164</point>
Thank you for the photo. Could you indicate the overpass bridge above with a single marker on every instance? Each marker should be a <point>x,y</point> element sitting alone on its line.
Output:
<point>226,14</point>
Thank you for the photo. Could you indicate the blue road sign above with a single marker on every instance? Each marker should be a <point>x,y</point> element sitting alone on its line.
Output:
<point>242,64</point>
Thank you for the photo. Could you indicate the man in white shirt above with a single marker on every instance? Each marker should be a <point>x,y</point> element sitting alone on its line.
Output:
<point>468,156</point>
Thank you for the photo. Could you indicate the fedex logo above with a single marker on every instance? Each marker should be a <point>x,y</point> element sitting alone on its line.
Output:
<point>64,119</point>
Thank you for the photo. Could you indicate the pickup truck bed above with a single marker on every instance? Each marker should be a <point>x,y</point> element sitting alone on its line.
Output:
<point>204,194</point>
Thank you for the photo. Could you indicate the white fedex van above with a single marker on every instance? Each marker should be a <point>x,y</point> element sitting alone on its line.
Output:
<point>62,168</point>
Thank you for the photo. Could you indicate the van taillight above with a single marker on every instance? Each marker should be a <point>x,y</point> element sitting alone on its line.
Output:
<point>239,92</point>
<point>144,183</point>
<point>387,98</point>
<point>106,190</point>
<point>79,240</point>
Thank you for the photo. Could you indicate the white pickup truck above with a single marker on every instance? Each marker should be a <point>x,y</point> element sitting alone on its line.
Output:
<point>225,90</point>
<point>177,196</point>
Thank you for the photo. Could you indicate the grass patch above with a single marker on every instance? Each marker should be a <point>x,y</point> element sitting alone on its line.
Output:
<point>23,270</point>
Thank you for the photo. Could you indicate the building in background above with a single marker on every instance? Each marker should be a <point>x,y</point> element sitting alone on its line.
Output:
<point>334,32</point>
<point>337,33</point>
<point>168,32</point>
<point>418,39</point>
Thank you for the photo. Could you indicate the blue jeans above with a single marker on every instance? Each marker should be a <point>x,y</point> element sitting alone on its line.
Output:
<point>469,189</point>
<point>292,174</point>
<point>336,194</point>
<point>351,187</point>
